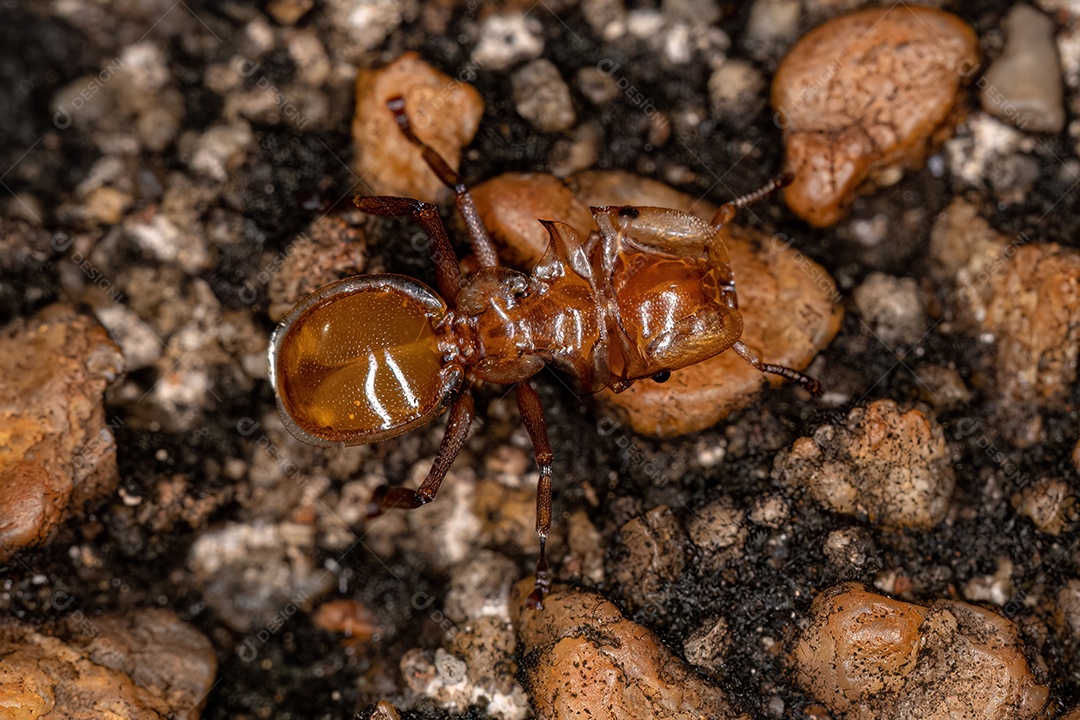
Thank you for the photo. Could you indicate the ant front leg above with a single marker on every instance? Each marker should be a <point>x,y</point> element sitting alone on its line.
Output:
<point>478,235</point>
<point>533,414</point>
<point>457,430</point>
<point>447,272</point>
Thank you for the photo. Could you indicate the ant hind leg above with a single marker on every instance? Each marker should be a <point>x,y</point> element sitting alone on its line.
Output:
<point>457,430</point>
<point>532,412</point>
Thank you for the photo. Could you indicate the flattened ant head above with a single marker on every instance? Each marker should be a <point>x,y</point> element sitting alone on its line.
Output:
<point>358,361</point>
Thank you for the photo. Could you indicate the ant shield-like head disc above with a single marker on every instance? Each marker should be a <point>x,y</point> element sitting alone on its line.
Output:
<point>358,361</point>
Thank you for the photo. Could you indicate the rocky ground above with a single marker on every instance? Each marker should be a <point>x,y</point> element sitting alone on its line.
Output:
<point>169,549</point>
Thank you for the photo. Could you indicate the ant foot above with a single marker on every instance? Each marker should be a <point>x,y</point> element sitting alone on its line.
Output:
<point>535,601</point>
<point>385,498</point>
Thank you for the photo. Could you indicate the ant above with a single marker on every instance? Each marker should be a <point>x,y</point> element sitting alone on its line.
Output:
<point>371,357</point>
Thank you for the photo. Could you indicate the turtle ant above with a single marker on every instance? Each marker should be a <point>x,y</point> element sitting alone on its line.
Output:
<point>371,357</point>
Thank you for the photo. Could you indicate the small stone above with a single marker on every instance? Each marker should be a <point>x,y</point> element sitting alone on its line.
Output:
<point>367,23</point>
<point>705,12</point>
<point>789,305</point>
<point>943,387</point>
<point>444,113</point>
<point>506,40</point>
<point>476,667</point>
<point>542,97</point>
<point>58,452</point>
<point>307,51</point>
<point>345,617</point>
<point>736,92</point>
<point>1067,611</point>
<point>771,511</point>
<point>584,659</point>
<point>1022,294</point>
<point>288,12</point>
<point>851,548</point>
<point>1076,456</point>
<point>649,556</point>
<point>219,151</point>
<point>330,249</point>
<point>771,26</point>
<point>864,93</point>
<point>893,309</point>
<point>144,665</point>
<point>891,466</point>
<point>708,645</point>
<point>719,533</point>
<point>106,206</point>
<point>480,587</point>
<point>256,577</point>
<point>140,346</point>
<point>986,152</point>
<point>385,711</point>
<point>997,588</point>
<point>578,152</point>
<point>586,547</point>
<point>866,655</point>
<point>1048,503</point>
<point>596,85</point>
<point>1023,86</point>
<point>607,18</point>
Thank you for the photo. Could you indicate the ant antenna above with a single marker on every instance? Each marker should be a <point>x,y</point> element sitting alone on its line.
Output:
<point>478,236</point>
<point>750,355</point>
<point>726,213</point>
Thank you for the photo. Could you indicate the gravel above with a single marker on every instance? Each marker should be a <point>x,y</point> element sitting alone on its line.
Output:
<point>166,170</point>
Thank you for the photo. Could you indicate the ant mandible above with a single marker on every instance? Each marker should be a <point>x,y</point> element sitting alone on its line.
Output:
<point>371,357</point>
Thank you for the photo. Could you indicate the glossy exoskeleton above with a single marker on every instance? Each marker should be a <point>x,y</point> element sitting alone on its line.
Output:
<point>371,357</point>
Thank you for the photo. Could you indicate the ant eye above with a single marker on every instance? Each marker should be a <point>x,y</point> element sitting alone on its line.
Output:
<point>629,212</point>
<point>662,377</point>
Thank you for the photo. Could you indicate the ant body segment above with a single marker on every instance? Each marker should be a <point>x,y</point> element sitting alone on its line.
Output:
<point>371,357</point>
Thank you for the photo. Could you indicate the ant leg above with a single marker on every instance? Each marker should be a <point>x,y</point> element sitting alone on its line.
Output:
<point>532,412</point>
<point>726,213</point>
<point>478,236</point>
<point>457,429</point>
<point>750,355</point>
<point>447,272</point>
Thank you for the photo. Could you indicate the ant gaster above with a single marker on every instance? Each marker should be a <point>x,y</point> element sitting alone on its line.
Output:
<point>371,357</point>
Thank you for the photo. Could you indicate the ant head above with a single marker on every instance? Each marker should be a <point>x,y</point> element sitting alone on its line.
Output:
<point>358,361</point>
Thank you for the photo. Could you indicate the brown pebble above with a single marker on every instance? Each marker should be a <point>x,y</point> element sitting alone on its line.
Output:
<point>889,465</point>
<point>542,97</point>
<point>866,93</point>
<point>385,711</point>
<point>787,301</point>
<point>444,113</point>
<point>1022,294</point>
<point>146,665</point>
<point>708,645</point>
<point>289,12</point>
<point>328,250</point>
<point>649,556</point>
<point>869,656</point>
<point>719,532</point>
<point>345,617</point>
<point>1048,503</point>
<point>584,659</point>
<point>58,453</point>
